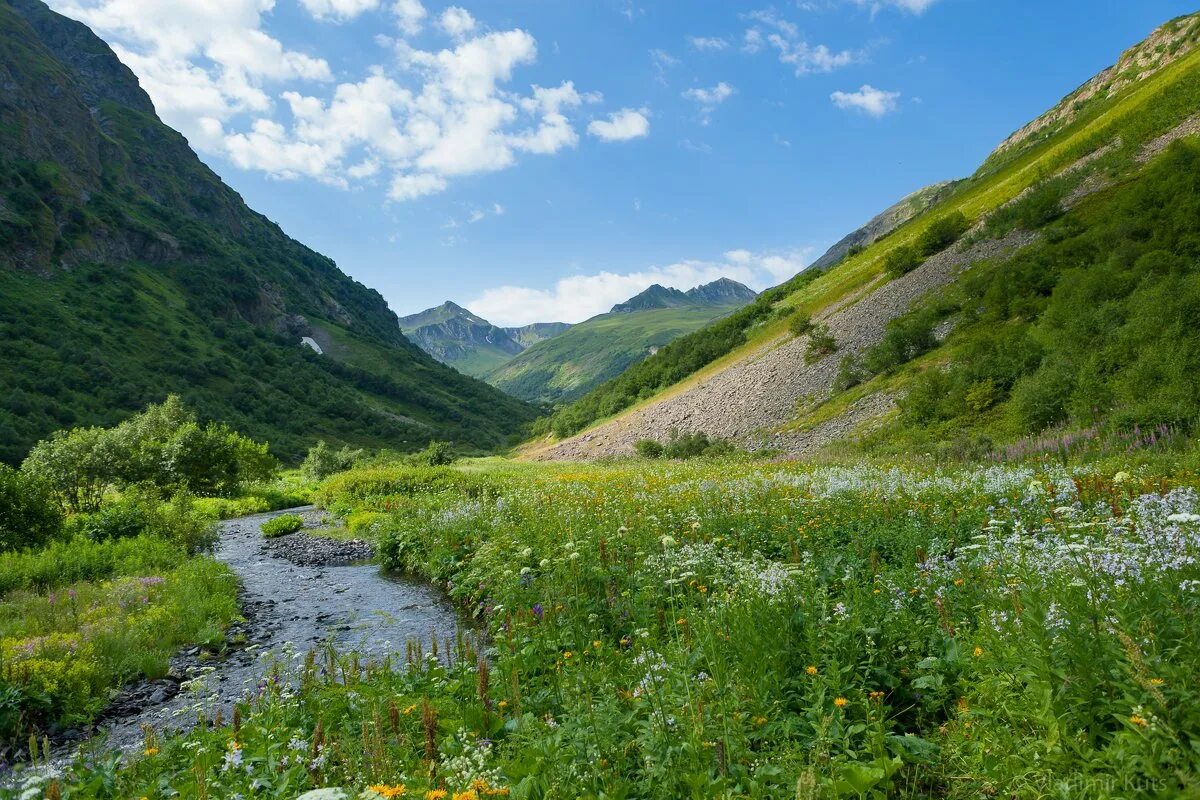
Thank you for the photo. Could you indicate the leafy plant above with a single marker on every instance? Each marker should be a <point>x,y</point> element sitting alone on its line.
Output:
<point>282,525</point>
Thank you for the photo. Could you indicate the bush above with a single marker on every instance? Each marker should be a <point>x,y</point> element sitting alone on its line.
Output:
<point>323,461</point>
<point>139,512</point>
<point>282,525</point>
<point>800,323</point>
<point>902,261</point>
<point>850,373</point>
<point>906,338</point>
<point>648,448</point>
<point>942,233</point>
<point>29,514</point>
<point>437,454</point>
<point>682,446</point>
<point>820,344</point>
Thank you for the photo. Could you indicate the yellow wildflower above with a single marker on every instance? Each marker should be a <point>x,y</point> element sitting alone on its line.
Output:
<point>1138,720</point>
<point>978,652</point>
<point>811,669</point>
<point>150,751</point>
<point>840,702</point>
<point>436,794</point>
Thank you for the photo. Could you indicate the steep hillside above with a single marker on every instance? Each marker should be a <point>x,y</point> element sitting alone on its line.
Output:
<point>129,270</point>
<point>569,364</point>
<point>1056,287</point>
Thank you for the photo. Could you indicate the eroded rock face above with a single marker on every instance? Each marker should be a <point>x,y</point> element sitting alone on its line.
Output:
<point>749,400</point>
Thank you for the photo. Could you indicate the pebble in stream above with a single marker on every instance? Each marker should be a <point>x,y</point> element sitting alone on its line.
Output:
<point>290,608</point>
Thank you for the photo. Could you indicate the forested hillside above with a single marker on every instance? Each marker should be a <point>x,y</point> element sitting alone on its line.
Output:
<point>128,271</point>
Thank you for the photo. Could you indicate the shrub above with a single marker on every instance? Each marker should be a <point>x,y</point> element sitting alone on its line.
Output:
<point>820,344</point>
<point>850,373</point>
<point>800,323</point>
<point>323,461</point>
<point>282,525</point>
<point>906,338</point>
<point>140,512</point>
<point>437,454</point>
<point>648,448</point>
<point>1041,206</point>
<point>29,514</point>
<point>683,446</point>
<point>942,233</point>
<point>902,261</point>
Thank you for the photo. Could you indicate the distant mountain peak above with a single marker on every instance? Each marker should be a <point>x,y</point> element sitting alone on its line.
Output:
<point>723,291</point>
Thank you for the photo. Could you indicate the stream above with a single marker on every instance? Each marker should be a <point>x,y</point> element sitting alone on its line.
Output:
<point>290,609</point>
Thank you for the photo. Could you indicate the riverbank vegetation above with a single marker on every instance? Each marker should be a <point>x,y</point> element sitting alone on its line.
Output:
<point>725,628</point>
<point>103,568</point>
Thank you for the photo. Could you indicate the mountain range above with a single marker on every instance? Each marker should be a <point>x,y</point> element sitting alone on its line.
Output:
<point>555,362</point>
<point>129,270</point>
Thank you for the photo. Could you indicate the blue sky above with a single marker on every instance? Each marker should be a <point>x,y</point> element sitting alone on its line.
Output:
<point>540,160</point>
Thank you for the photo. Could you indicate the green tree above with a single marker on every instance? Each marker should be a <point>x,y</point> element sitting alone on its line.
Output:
<point>29,513</point>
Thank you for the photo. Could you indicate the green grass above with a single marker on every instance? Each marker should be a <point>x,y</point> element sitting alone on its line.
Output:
<point>718,629</point>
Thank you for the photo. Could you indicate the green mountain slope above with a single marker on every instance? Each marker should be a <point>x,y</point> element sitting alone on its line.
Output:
<point>128,270</point>
<point>1069,300</point>
<point>568,365</point>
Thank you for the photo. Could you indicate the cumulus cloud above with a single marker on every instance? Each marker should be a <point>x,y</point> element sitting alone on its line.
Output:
<point>457,22</point>
<point>708,42</point>
<point>623,125</point>
<point>709,99</point>
<point>410,15</point>
<point>770,31</point>
<point>427,117</point>
<point>868,100</point>
<point>578,297</point>
<point>339,10</point>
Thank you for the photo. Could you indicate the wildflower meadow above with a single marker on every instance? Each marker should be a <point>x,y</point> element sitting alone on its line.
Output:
<point>730,629</point>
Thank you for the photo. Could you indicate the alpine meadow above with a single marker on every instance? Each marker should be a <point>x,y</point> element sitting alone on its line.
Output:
<point>643,512</point>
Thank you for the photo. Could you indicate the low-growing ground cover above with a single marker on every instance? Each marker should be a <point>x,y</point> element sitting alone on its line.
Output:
<point>727,629</point>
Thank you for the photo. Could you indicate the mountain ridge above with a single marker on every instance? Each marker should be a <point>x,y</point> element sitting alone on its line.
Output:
<point>569,364</point>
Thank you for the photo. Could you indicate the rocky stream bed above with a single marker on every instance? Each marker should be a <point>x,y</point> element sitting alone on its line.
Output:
<point>299,592</point>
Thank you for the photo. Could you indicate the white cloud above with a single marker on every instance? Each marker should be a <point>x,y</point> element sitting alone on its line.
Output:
<point>708,42</point>
<point>868,100</point>
<point>430,116</point>
<point>457,21</point>
<point>770,30</point>
<point>410,15</point>
<point>623,125</point>
<point>912,6</point>
<point>710,97</point>
<point>579,297</point>
<point>338,9</point>
<point>202,62</point>
<point>663,62</point>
